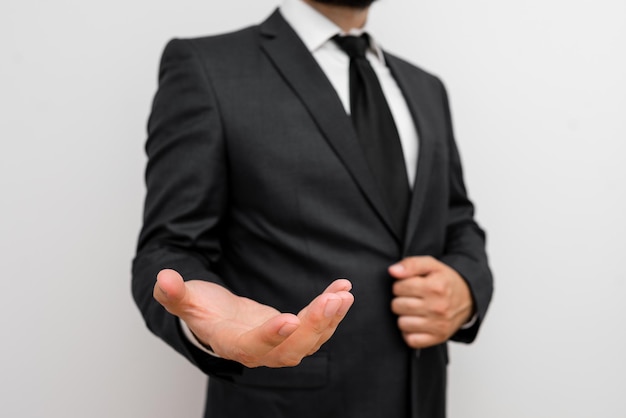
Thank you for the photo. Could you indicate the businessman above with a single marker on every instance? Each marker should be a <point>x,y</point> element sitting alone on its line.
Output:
<point>308,241</point>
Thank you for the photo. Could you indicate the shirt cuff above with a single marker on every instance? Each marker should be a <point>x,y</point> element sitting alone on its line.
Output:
<point>194,340</point>
<point>466,325</point>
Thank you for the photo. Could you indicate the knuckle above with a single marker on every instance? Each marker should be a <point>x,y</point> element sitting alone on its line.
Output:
<point>441,309</point>
<point>405,287</point>
<point>396,288</point>
<point>313,350</point>
<point>290,361</point>
<point>250,364</point>
<point>439,288</point>
<point>412,286</point>
<point>411,262</point>
<point>408,324</point>
<point>245,358</point>
<point>318,328</point>
<point>401,322</point>
<point>413,340</point>
<point>395,306</point>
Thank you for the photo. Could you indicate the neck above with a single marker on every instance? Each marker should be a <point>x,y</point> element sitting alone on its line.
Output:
<point>345,17</point>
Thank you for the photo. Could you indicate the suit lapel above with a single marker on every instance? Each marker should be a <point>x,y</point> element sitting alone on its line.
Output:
<point>306,78</point>
<point>415,94</point>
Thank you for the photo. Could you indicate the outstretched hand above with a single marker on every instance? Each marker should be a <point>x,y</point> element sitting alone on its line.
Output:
<point>243,330</point>
<point>432,300</point>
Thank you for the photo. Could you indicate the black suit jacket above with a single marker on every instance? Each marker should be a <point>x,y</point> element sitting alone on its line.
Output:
<point>256,181</point>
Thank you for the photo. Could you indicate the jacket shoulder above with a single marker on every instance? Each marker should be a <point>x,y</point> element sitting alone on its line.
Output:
<point>225,43</point>
<point>407,67</point>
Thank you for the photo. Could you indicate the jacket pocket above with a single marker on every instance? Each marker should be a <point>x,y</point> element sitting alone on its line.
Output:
<point>311,373</point>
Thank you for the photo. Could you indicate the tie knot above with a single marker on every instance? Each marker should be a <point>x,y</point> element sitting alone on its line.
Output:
<point>354,46</point>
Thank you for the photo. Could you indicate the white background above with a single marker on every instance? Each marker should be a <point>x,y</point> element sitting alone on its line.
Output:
<point>538,93</point>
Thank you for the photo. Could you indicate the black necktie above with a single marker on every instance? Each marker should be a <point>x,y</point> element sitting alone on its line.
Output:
<point>376,130</point>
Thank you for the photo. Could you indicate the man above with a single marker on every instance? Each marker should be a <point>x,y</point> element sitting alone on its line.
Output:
<point>260,193</point>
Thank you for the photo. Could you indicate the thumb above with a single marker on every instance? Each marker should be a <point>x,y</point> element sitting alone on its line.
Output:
<point>170,289</point>
<point>413,266</point>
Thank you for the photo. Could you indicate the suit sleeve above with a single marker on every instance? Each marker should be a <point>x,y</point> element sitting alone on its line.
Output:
<point>187,194</point>
<point>465,240</point>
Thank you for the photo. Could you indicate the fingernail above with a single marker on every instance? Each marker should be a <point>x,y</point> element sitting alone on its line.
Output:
<point>163,291</point>
<point>287,329</point>
<point>349,282</point>
<point>331,308</point>
<point>397,267</point>
<point>343,310</point>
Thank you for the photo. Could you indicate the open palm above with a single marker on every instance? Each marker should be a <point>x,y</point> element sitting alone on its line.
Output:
<point>241,329</point>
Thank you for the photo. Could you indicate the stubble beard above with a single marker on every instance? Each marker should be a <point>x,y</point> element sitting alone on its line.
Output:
<point>359,4</point>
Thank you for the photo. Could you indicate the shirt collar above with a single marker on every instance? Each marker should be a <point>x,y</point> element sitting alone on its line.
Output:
<point>315,29</point>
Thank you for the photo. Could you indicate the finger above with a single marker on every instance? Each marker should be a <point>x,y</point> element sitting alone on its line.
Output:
<point>422,340</point>
<point>413,266</point>
<point>408,306</point>
<point>412,287</point>
<point>433,286</point>
<point>315,321</point>
<point>338,286</point>
<point>320,312</point>
<point>346,303</point>
<point>347,300</point>
<point>417,325</point>
<point>170,289</point>
<point>439,330</point>
<point>342,288</point>
<point>256,343</point>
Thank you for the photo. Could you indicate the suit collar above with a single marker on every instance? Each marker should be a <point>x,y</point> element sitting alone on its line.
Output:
<point>300,70</point>
<point>315,29</point>
<point>312,27</point>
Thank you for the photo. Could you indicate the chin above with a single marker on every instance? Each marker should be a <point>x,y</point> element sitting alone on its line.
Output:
<point>348,3</point>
